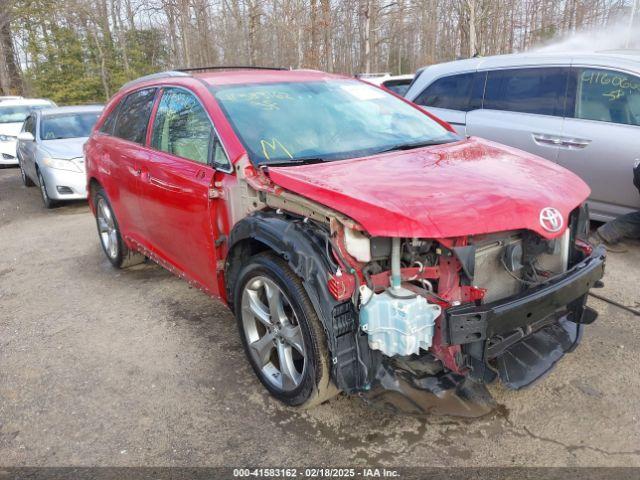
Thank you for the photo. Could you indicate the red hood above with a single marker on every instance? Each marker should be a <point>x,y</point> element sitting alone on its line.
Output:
<point>466,188</point>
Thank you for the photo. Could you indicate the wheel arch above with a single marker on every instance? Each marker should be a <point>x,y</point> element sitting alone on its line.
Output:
<point>93,187</point>
<point>285,236</point>
<point>303,247</point>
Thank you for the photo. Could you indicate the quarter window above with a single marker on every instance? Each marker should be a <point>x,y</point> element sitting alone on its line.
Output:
<point>182,127</point>
<point>220,159</point>
<point>461,92</point>
<point>30,125</point>
<point>540,91</point>
<point>607,96</point>
<point>110,121</point>
<point>133,116</point>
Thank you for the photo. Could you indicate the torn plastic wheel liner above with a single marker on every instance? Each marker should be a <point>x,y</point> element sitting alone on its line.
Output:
<point>444,394</point>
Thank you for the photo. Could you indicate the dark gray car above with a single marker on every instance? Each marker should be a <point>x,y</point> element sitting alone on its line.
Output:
<point>581,110</point>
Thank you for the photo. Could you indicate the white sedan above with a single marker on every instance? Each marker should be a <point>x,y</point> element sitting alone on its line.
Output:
<point>12,116</point>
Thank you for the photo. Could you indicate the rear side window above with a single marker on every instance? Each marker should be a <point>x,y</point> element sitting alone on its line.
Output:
<point>461,92</point>
<point>399,87</point>
<point>605,96</point>
<point>528,90</point>
<point>133,116</point>
<point>110,121</point>
<point>182,127</point>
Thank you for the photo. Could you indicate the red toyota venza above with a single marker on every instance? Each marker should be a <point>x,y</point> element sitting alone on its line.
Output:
<point>361,244</point>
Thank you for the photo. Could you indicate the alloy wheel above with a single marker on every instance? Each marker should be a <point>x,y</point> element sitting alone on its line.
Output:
<point>273,334</point>
<point>107,228</point>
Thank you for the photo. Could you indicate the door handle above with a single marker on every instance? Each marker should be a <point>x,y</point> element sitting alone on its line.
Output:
<point>164,185</point>
<point>547,140</point>
<point>136,171</point>
<point>575,142</point>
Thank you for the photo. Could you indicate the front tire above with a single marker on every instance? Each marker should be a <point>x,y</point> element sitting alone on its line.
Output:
<point>48,203</point>
<point>281,333</point>
<point>113,246</point>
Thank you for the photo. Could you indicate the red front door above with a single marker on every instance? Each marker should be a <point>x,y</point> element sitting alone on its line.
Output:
<point>174,187</point>
<point>174,199</point>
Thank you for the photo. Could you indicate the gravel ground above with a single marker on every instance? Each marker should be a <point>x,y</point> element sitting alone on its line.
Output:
<point>130,368</point>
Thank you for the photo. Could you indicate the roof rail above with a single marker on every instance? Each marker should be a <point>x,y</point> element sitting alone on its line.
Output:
<point>372,74</point>
<point>155,76</point>
<point>628,51</point>
<point>227,67</point>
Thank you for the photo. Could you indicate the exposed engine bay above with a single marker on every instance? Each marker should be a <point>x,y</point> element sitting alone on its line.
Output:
<point>400,319</point>
<point>422,325</point>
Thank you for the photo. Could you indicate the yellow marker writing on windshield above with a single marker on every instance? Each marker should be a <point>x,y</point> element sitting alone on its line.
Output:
<point>273,144</point>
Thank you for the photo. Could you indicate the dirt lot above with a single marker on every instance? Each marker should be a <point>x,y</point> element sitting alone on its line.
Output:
<point>107,367</point>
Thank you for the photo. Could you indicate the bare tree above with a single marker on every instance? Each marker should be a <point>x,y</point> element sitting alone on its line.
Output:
<point>10,78</point>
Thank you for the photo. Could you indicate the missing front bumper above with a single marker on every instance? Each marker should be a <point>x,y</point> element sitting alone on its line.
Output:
<point>518,364</point>
<point>471,323</point>
<point>518,340</point>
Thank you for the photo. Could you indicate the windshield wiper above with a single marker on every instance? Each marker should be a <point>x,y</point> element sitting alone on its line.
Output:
<point>412,145</point>
<point>294,161</point>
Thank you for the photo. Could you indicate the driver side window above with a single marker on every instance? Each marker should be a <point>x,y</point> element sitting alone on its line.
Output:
<point>182,127</point>
<point>607,96</point>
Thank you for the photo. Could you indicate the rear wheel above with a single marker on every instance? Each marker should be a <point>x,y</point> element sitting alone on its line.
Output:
<point>281,333</point>
<point>48,202</point>
<point>113,246</point>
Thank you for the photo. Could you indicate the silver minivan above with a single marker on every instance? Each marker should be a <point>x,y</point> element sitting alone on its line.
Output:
<point>581,110</point>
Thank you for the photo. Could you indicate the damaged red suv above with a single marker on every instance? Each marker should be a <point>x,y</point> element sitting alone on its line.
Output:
<point>362,245</point>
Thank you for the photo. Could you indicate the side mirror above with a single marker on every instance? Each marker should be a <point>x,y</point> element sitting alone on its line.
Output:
<point>26,137</point>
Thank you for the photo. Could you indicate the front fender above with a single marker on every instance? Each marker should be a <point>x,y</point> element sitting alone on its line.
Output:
<point>303,245</point>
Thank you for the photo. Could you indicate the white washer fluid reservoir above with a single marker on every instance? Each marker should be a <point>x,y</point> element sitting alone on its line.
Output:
<point>397,325</point>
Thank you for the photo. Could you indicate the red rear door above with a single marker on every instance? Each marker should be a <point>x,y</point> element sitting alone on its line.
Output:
<point>121,154</point>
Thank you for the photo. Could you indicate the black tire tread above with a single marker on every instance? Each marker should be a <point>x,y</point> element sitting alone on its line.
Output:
<point>48,203</point>
<point>26,180</point>
<point>323,387</point>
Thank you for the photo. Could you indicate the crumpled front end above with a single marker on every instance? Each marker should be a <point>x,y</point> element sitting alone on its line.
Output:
<point>422,325</point>
<point>438,320</point>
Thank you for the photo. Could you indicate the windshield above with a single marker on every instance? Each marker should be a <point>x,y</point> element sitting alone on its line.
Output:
<point>72,125</point>
<point>17,113</point>
<point>298,121</point>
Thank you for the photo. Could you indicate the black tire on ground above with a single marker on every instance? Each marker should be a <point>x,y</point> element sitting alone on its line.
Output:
<point>118,253</point>
<point>26,180</point>
<point>48,203</point>
<point>315,385</point>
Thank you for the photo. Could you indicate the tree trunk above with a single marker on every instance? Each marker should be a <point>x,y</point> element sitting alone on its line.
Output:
<point>10,77</point>
<point>367,36</point>
<point>473,49</point>
<point>327,54</point>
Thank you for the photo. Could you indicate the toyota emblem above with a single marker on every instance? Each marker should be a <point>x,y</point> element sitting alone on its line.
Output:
<point>551,219</point>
